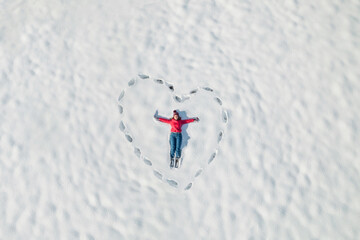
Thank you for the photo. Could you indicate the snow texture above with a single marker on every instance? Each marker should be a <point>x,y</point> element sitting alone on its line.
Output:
<point>275,84</point>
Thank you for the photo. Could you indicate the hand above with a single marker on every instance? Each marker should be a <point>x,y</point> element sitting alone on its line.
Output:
<point>197,119</point>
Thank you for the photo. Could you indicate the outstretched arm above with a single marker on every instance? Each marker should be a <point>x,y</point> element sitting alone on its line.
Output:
<point>189,120</point>
<point>164,120</point>
<point>160,118</point>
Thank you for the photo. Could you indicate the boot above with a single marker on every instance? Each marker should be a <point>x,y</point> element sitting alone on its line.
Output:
<point>172,160</point>
<point>177,162</point>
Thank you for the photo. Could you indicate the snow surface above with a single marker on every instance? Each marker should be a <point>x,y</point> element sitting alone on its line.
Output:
<point>285,72</point>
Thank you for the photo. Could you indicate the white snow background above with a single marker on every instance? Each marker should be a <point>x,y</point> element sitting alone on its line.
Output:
<point>287,73</point>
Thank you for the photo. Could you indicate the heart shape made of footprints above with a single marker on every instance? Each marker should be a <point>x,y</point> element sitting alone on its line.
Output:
<point>145,97</point>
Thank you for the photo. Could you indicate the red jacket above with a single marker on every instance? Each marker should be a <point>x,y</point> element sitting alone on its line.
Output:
<point>176,124</point>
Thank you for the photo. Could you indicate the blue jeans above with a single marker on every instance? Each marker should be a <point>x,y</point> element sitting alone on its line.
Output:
<point>175,144</point>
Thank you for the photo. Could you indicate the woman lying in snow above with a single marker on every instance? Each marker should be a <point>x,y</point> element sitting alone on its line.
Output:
<point>176,136</point>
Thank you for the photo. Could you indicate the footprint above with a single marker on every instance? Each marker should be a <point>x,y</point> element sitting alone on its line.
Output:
<point>218,100</point>
<point>137,152</point>
<point>170,86</point>
<point>220,136</point>
<point>143,76</point>
<point>172,182</point>
<point>224,116</point>
<point>198,173</point>
<point>129,138</point>
<point>178,99</point>
<point>159,81</point>
<point>122,126</point>
<point>193,91</point>
<point>122,94</point>
<point>121,109</point>
<point>158,174</point>
<point>147,162</point>
<point>188,186</point>
<point>208,89</point>
<point>153,191</point>
<point>212,157</point>
<point>131,82</point>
